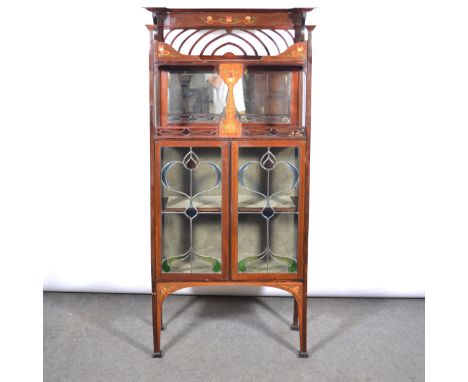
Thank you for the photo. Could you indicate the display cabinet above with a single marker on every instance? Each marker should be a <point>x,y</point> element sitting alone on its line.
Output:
<point>230,93</point>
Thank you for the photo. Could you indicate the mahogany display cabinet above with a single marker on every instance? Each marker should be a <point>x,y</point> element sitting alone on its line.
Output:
<point>230,120</point>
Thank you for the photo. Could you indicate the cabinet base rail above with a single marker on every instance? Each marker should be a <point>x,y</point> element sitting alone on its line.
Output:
<point>297,289</point>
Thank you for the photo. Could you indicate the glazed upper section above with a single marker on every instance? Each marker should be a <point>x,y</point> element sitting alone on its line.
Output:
<point>230,73</point>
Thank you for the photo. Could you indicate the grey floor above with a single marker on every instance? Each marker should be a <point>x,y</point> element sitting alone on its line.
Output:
<point>108,337</point>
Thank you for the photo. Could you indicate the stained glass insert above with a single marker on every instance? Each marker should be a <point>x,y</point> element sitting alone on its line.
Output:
<point>267,209</point>
<point>191,209</point>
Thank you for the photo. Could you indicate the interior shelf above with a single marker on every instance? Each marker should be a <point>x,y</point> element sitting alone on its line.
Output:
<point>246,203</point>
<point>255,203</point>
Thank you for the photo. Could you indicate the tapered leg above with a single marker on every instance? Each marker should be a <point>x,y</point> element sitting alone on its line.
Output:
<point>303,325</point>
<point>157,324</point>
<point>295,325</point>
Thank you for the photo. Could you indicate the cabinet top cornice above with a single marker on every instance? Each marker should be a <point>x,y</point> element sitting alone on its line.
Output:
<point>238,10</point>
<point>281,18</point>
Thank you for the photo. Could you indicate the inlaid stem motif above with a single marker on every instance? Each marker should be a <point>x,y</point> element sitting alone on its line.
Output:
<point>230,126</point>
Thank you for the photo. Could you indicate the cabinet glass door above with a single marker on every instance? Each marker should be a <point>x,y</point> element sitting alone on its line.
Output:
<point>192,209</point>
<point>267,210</point>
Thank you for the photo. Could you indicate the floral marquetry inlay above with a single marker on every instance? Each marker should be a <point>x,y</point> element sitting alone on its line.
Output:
<point>167,51</point>
<point>256,48</point>
<point>230,126</point>
<point>229,20</point>
<point>164,289</point>
<point>296,51</point>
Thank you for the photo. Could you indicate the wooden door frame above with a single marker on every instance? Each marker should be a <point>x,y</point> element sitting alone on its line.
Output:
<point>157,216</point>
<point>301,146</point>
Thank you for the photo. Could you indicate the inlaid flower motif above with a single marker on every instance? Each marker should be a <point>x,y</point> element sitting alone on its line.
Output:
<point>229,19</point>
<point>249,20</point>
<point>162,50</point>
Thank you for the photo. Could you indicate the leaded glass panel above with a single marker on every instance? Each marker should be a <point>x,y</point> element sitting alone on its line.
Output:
<point>191,209</point>
<point>267,209</point>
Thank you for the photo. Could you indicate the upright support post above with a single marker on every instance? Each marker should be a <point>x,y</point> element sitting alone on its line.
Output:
<point>295,324</point>
<point>303,325</point>
<point>157,318</point>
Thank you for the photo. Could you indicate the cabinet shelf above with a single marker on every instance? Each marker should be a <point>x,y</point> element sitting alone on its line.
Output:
<point>280,203</point>
<point>246,203</point>
<point>203,204</point>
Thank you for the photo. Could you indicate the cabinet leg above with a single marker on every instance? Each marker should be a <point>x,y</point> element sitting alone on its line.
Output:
<point>303,325</point>
<point>295,325</point>
<point>157,304</point>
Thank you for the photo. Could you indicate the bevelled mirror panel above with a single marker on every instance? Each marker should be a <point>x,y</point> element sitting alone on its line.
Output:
<point>267,96</point>
<point>195,96</point>
<point>199,96</point>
